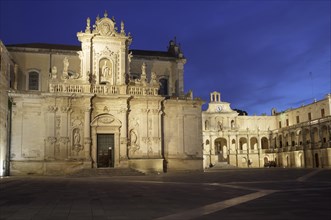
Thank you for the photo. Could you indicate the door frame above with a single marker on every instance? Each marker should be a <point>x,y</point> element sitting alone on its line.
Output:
<point>110,155</point>
<point>106,124</point>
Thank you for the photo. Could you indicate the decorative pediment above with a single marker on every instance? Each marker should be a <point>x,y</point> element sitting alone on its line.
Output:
<point>106,120</point>
<point>105,26</point>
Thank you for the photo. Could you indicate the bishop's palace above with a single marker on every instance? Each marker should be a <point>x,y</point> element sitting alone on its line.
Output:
<point>68,108</point>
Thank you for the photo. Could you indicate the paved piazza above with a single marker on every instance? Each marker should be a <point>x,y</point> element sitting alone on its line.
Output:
<point>269,193</point>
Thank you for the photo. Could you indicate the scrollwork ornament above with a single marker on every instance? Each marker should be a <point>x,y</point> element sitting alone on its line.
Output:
<point>51,140</point>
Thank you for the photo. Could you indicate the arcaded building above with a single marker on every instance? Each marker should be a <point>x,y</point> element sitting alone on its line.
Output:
<point>101,105</point>
<point>297,137</point>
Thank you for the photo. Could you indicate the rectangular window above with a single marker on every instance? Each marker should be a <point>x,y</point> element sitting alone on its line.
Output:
<point>298,119</point>
<point>322,113</point>
<point>280,124</point>
<point>309,116</point>
<point>287,122</point>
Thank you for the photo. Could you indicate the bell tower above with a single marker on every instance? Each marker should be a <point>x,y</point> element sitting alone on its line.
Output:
<point>104,55</point>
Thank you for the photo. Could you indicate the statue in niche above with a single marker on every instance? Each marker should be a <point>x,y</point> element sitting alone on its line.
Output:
<point>76,141</point>
<point>133,145</point>
<point>54,72</point>
<point>220,126</point>
<point>153,79</point>
<point>76,138</point>
<point>105,72</point>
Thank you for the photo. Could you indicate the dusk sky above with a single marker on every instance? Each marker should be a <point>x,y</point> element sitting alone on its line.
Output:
<point>258,54</point>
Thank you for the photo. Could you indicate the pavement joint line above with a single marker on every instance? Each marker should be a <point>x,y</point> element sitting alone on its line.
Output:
<point>215,207</point>
<point>305,189</point>
<point>235,187</point>
<point>310,174</point>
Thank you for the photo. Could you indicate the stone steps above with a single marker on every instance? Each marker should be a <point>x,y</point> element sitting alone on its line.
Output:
<point>223,165</point>
<point>105,172</point>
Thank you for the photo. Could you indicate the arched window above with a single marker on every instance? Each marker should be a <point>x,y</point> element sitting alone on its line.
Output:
<point>264,143</point>
<point>33,81</point>
<point>163,87</point>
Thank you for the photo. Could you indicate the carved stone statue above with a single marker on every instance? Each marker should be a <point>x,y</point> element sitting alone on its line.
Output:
<point>76,138</point>
<point>88,25</point>
<point>143,69</point>
<point>54,72</point>
<point>105,72</point>
<point>143,74</point>
<point>154,79</point>
<point>65,68</point>
<point>122,28</point>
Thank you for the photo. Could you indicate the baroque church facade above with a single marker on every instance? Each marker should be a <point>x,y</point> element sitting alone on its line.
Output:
<point>66,108</point>
<point>101,105</point>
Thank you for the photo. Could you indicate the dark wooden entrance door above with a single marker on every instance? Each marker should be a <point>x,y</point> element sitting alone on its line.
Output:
<point>105,150</point>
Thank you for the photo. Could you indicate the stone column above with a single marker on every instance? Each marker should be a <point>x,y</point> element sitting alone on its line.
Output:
<point>50,133</point>
<point>87,133</point>
<point>64,134</point>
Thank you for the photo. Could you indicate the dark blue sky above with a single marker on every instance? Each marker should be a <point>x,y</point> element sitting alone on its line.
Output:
<point>258,54</point>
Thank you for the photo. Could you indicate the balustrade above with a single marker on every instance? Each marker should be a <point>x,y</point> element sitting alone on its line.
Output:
<point>103,89</point>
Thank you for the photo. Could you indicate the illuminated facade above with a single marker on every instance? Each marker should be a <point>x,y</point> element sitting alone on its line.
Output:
<point>102,105</point>
<point>66,108</point>
<point>7,68</point>
<point>294,138</point>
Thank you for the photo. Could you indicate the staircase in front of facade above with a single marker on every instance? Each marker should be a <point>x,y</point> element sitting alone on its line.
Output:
<point>222,165</point>
<point>106,172</point>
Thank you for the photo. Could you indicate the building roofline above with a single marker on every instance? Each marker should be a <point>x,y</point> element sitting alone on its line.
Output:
<point>147,53</point>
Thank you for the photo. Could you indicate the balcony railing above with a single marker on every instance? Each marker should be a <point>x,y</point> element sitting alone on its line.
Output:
<point>104,89</point>
<point>142,91</point>
<point>66,88</point>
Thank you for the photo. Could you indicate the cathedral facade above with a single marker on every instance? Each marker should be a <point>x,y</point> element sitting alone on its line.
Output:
<point>101,104</point>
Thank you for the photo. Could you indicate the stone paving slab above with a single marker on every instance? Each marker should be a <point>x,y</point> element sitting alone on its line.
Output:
<point>224,194</point>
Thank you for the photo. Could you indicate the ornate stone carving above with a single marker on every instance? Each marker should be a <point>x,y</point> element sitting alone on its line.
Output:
<point>77,122</point>
<point>51,140</point>
<point>106,109</point>
<point>52,108</point>
<point>88,25</point>
<point>133,144</point>
<point>143,77</point>
<point>146,140</point>
<point>58,122</point>
<point>154,81</point>
<point>122,28</point>
<point>106,120</point>
<point>77,146</point>
<point>150,150</point>
<point>65,68</point>
<point>156,140</point>
<point>54,72</point>
<point>105,71</point>
<point>64,140</point>
<point>65,109</point>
